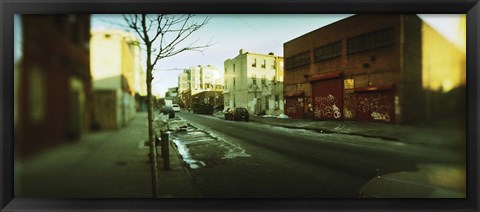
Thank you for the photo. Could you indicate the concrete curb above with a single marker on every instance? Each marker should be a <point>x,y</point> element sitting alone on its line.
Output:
<point>404,136</point>
<point>323,130</point>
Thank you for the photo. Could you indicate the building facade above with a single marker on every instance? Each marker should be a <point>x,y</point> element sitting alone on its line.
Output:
<point>254,81</point>
<point>184,88</point>
<point>116,71</point>
<point>206,78</point>
<point>372,68</point>
<point>173,95</point>
<point>52,81</point>
<point>140,87</point>
<point>206,84</point>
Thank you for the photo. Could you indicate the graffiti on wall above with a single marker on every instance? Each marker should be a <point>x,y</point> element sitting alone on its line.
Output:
<point>347,113</point>
<point>348,106</point>
<point>291,107</point>
<point>325,107</point>
<point>378,106</point>
<point>380,116</point>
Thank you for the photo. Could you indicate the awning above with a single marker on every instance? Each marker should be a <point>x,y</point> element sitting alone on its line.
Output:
<point>324,76</point>
<point>296,93</point>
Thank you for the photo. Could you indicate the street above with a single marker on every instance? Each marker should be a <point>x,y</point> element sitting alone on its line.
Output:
<point>255,160</point>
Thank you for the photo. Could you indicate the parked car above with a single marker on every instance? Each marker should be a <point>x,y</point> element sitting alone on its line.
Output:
<point>238,113</point>
<point>176,107</point>
<point>168,110</point>
<point>202,108</point>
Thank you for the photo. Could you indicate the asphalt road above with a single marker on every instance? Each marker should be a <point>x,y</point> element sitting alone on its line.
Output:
<point>254,160</point>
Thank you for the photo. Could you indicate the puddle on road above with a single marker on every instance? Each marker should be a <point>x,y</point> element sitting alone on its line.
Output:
<point>199,148</point>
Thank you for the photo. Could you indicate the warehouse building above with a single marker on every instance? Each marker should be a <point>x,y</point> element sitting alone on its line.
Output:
<point>374,68</point>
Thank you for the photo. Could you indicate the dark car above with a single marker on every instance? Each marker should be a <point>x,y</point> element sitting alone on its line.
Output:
<point>168,110</point>
<point>238,113</point>
<point>202,108</point>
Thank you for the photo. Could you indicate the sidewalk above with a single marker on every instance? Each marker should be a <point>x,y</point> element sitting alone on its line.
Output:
<point>443,137</point>
<point>105,164</point>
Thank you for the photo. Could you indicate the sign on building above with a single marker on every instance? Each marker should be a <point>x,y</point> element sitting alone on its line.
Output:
<point>348,84</point>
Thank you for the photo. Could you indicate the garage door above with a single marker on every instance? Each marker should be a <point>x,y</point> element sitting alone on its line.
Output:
<point>294,107</point>
<point>327,99</point>
<point>375,106</point>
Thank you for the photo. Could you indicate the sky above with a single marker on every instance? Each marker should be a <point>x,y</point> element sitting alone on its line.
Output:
<point>254,33</point>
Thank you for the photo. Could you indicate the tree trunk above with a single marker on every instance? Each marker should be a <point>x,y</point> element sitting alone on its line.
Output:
<point>151,135</point>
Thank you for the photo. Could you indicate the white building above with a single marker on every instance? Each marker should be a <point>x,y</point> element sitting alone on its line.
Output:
<point>205,78</point>
<point>184,81</point>
<point>254,81</point>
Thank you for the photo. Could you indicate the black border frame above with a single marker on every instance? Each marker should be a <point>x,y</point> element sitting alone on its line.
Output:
<point>10,7</point>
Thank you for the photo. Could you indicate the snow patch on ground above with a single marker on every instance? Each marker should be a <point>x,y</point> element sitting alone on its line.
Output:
<point>183,150</point>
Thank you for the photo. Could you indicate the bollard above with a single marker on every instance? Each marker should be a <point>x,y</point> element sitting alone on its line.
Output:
<point>165,151</point>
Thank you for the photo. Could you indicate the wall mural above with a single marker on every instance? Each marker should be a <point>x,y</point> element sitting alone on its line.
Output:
<point>325,107</point>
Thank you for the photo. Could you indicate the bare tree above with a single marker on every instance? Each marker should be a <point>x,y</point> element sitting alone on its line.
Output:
<point>164,35</point>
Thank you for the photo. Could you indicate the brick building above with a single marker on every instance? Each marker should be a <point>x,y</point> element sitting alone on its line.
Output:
<point>52,81</point>
<point>381,68</point>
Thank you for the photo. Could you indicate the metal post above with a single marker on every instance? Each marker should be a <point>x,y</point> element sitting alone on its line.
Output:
<point>165,151</point>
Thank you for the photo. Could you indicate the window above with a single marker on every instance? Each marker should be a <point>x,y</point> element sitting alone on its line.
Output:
<point>369,41</point>
<point>254,79</point>
<point>254,64</point>
<point>273,66</point>
<point>298,60</point>
<point>264,64</point>
<point>328,51</point>
<point>264,80</point>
